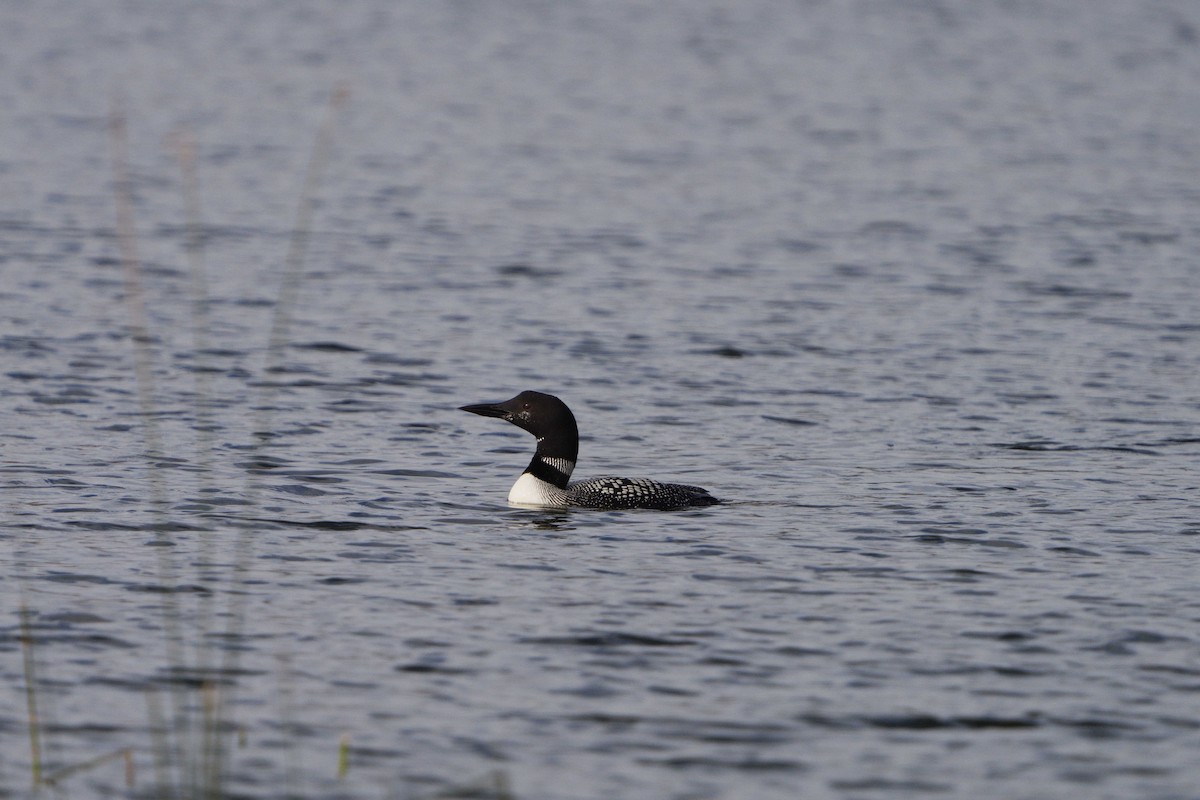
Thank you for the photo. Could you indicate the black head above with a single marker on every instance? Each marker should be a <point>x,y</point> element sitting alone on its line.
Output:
<point>538,413</point>
<point>543,415</point>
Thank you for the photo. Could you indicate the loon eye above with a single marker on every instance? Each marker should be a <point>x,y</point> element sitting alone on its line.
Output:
<point>525,406</point>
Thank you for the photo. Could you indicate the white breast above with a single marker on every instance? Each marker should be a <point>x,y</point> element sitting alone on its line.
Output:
<point>536,493</point>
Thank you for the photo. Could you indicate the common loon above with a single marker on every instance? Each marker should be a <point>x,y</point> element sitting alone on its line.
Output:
<point>544,483</point>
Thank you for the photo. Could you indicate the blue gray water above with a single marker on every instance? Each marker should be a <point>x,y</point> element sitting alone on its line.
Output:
<point>913,286</point>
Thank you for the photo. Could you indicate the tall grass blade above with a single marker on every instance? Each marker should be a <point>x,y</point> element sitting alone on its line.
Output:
<point>343,762</point>
<point>194,246</point>
<point>288,288</point>
<point>125,753</point>
<point>35,725</point>
<point>135,306</point>
<point>298,245</point>
<point>160,745</point>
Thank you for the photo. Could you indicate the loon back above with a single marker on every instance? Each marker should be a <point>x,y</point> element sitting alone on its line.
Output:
<point>545,482</point>
<point>637,493</point>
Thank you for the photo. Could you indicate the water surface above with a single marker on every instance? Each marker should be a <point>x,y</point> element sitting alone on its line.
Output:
<point>913,288</point>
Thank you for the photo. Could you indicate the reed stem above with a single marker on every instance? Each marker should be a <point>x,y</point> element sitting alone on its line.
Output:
<point>35,726</point>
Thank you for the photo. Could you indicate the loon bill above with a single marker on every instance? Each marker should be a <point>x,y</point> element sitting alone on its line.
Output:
<point>545,482</point>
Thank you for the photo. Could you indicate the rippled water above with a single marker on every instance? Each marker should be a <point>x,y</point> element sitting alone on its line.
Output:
<point>913,288</point>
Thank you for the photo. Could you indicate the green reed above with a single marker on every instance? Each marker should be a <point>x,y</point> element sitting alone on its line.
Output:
<point>189,733</point>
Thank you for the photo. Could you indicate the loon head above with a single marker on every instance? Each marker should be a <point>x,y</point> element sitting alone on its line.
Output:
<point>543,415</point>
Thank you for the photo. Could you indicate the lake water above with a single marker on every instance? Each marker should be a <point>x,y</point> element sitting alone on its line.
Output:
<point>913,287</point>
